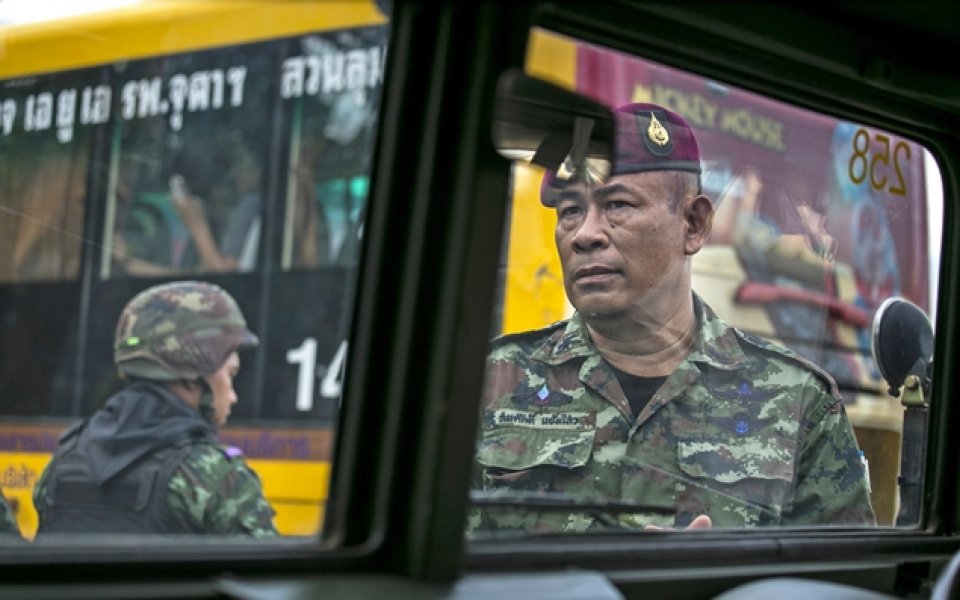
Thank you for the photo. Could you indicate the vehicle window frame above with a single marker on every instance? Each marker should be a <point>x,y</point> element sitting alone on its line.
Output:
<point>775,76</point>
<point>163,549</point>
<point>402,431</point>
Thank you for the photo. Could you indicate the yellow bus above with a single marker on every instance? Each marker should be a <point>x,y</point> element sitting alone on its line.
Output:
<point>266,111</point>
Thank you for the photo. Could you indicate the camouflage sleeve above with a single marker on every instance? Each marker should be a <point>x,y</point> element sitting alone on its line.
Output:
<point>8,523</point>
<point>476,516</point>
<point>40,494</point>
<point>213,493</point>
<point>830,484</point>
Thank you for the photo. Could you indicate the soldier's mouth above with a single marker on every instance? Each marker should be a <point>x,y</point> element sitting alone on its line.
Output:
<point>594,274</point>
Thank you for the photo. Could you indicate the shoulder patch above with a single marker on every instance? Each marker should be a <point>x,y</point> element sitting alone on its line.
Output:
<point>784,352</point>
<point>231,452</point>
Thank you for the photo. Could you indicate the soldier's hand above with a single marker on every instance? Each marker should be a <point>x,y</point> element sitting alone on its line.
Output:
<point>701,522</point>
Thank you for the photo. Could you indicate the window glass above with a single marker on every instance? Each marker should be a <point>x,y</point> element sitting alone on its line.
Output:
<point>666,358</point>
<point>221,144</point>
<point>190,144</point>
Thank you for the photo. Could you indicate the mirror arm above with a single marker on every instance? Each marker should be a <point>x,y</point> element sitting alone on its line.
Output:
<point>582,130</point>
<point>913,449</point>
<point>914,391</point>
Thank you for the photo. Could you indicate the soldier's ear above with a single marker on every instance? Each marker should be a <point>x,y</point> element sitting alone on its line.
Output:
<point>698,215</point>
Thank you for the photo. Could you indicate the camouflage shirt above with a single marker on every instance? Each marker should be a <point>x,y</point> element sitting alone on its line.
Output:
<point>214,491</point>
<point>207,488</point>
<point>743,430</point>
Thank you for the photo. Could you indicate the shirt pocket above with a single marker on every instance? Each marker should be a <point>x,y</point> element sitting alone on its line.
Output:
<point>737,482</point>
<point>533,457</point>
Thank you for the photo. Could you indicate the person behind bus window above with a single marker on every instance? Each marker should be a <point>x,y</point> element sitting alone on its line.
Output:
<point>241,235</point>
<point>149,461</point>
<point>238,195</point>
<point>241,199</point>
<point>191,211</point>
<point>645,395</point>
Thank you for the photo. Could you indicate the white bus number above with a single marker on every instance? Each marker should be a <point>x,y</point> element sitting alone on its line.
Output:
<point>305,357</point>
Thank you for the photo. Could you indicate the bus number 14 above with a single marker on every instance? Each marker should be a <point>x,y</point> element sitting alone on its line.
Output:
<point>331,382</point>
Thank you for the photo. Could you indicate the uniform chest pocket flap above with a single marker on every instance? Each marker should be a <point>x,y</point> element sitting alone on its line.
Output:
<point>747,481</point>
<point>518,440</point>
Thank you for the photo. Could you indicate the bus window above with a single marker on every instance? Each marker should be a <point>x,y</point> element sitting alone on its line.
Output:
<point>330,147</point>
<point>816,221</point>
<point>191,140</point>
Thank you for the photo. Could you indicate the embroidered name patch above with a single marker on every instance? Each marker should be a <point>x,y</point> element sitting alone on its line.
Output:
<point>570,421</point>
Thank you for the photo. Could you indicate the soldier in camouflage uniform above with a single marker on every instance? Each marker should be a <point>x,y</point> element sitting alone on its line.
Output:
<point>644,395</point>
<point>149,460</point>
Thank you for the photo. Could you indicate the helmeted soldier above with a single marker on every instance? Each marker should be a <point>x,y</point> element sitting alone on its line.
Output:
<point>645,396</point>
<point>149,460</point>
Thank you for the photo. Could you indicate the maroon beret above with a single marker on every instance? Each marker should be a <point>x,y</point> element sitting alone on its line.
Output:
<point>648,138</point>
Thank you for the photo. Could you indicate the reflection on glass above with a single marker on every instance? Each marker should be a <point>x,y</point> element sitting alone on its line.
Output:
<point>640,404</point>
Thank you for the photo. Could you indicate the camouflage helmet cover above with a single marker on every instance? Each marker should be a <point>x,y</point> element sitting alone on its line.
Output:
<point>179,330</point>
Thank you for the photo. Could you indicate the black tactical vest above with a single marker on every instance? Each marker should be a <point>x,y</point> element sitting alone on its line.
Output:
<point>133,501</point>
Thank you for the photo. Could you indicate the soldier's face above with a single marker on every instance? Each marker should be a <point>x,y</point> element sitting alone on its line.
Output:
<point>625,245</point>
<point>221,386</point>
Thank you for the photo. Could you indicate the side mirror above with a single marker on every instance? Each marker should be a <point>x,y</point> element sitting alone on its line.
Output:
<point>545,124</point>
<point>903,350</point>
<point>902,343</point>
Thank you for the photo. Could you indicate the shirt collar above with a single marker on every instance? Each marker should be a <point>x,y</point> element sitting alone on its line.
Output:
<point>716,342</point>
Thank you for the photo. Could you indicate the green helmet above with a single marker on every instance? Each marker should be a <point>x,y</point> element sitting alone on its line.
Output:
<point>179,330</point>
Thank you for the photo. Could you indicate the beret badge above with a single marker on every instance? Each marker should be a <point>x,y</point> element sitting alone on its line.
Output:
<point>654,133</point>
<point>657,132</point>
